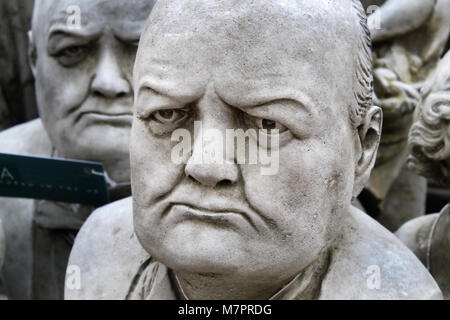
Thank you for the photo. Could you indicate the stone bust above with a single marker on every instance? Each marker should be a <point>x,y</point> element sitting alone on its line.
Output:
<point>409,37</point>
<point>81,54</point>
<point>428,236</point>
<point>299,71</point>
<point>429,137</point>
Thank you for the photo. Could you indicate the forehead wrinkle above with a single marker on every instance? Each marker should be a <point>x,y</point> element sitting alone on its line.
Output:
<point>166,88</point>
<point>59,28</point>
<point>167,59</point>
<point>260,96</point>
<point>94,12</point>
<point>234,34</point>
<point>128,30</point>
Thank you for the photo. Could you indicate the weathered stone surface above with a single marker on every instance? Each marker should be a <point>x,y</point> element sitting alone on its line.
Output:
<point>429,238</point>
<point>224,230</point>
<point>429,137</point>
<point>85,96</point>
<point>409,39</point>
<point>17,214</point>
<point>429,142</point>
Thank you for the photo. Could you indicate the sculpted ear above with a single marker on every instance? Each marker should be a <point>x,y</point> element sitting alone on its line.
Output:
<point>369,134</point>
<point>32,55</point>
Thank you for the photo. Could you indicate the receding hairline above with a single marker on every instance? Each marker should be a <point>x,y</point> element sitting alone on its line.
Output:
<point>39,6</point>
<point>166,12</point>
<point>356,24</point>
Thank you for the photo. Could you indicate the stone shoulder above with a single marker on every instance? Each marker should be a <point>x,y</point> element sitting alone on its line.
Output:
<point>29,138</point>
<point>372,263</point>
<point>415,234</point>
<point>107,254</point>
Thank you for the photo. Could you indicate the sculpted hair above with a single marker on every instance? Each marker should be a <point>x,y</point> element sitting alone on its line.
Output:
<point>363,87</point>
<point>429,137</point>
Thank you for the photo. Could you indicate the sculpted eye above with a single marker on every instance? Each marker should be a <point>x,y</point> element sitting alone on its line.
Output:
<point>71,56</point>
<point>72,51</point>
<point>266,130</point>
<point>169,116</point>
<point>270,125</point>
<point>165,121</point>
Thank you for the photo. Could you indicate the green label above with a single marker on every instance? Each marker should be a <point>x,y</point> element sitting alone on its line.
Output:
<point>52,179</point>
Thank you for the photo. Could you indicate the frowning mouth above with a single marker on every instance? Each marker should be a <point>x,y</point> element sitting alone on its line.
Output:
<point>223,217</point>
<point>109,118</point>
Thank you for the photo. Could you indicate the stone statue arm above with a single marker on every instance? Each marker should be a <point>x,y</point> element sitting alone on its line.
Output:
<point>106,255</point>
<point>429,238</point>
<point>415,234</point>
<point>398,17</point>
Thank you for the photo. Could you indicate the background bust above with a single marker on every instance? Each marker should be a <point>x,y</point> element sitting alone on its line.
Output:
<point>225,231</point>
<point>409,37</point>
<point>429,236</point>
<point>83,73</point>
<point>429,137</point>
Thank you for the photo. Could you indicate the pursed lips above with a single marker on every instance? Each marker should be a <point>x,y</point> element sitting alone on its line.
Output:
<point>213,213</point>
<point>108,117</point>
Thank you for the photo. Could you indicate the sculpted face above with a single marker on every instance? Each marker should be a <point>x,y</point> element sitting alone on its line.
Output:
<point>245,65</point>
<point>83,76</point>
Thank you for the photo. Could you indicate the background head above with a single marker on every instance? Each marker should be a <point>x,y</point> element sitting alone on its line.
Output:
<point>429,137</point>
<point>81,54</point>
<point>303,67</point>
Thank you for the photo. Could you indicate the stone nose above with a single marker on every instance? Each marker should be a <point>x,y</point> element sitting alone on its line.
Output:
<point>209,164</point>
<point>108,81</point>
<point>213,175</point>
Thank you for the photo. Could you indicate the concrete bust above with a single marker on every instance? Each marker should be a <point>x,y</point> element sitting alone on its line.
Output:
<point>429,236</point>
<point>409,37</point>
<point>296,71</point>
<point>82,54</point>
<point>429,136</point>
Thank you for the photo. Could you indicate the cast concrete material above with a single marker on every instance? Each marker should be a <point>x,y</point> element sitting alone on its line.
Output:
<point>83,77</point>
<point>298,66</point>
<point>428,237</point>
<point>110,264</point>
<point>82,63</point>
<point>409,38</point>
<point>429,137</point>
<point>17,214</point>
